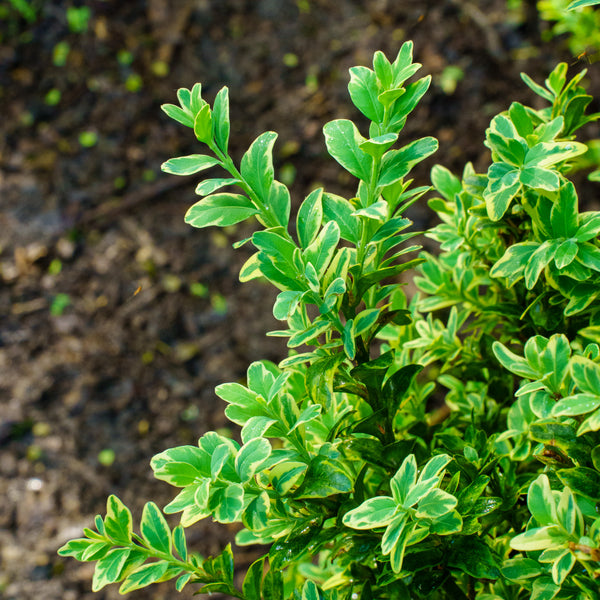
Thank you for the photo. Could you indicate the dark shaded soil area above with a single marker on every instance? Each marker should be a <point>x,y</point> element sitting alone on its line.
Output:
<point>116,319</point>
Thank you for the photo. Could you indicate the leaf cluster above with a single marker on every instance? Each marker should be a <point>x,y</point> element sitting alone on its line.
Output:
<point>444,446</point>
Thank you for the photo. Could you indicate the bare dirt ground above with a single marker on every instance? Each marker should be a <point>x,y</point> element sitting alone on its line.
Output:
<point>116,319</point>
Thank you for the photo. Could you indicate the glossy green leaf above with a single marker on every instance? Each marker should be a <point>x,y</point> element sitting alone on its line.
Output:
<point>586,374</point>
<point>540,501</point>
<point>188,165</point>
<point>538,261</point>
<point>578,404</point>
<point>372,513</point>
<point>338,209</point>
<point>110,567</point>
<point>538,538</point>
<point>325,477</point>
<point>343,143</point>
<point>502,187</point>
<point>396,164</point>
<point>447,184</point>
<point>208,186</point>
<point>404,479</point>
<point>435,504</point>
<point>363,92</point>
<point>310,217</point>
<point>257,164</point>
<point>178,114</point>
<point>473,556</point>
<point>539,178</point>
<point>143,576</point>
<point>395,539</point>
<point>565,254</point>
<point>154,528</point>
<point>118,521</point>
<point>581,480</point>
<point>376,146</point>
<point>179,542</point>
<point>221,210</point>
<point>227,503</point>
<point>310,591</point>
<point>203,125</point>
<point>582,3</point>
<point>564,214</point>
<point>250,457</point>
<point>251,587</point>
<point>320,251</point>
<point>520,568</point>
<point>280,203</point>
<point>221,119</point>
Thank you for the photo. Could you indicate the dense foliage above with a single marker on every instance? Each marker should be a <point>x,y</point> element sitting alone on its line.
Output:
<point>442,447</point>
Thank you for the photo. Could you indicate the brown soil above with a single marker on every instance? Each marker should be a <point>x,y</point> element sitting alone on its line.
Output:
<point>130,364</point>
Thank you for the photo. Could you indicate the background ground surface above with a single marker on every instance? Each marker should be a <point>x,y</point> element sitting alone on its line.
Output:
<point>128,373</point>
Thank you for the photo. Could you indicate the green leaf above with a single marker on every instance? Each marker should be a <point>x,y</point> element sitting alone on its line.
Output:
<point>154,528</point>
<point>203,125</point>
<point>586,374</point>
<point>372,513</point>
<point>537,88</point>
<point>338,209</point>
<point>318,327</point>
<point>503,186</point>
<point>562,566</point>
<point>564,215</point>
<point>76,548</point>
<point>343,143</point>
<point>581,480</point>
<point>280,203</point>
<point>257,165</point>
<point>208,186</point>
<point>396,164</point>
<point>565,254</point>
<point>404,479</point>
<point>435,504</point>
<point>538,261</point>
<point>310,217</point>
<point>376,146</point>
<point>447,184</point>
<point>513,262</point>
<point>539,538</point>
<point>321,250</point>
<point>395,540</point>
<point>221,119</point>
<point>325,477</point>
<point>544,589</point>
<point>546,154</point>
<point>363,92</point>
<point>188,165</point>
<point>143,576</point>
<point>519,568</point>
<point>179,542</point>
<point>227,503</point>
<point>581,3</point>
<point>110,567</point>
<point>578,404</point>
<point>222,210</point>
<point>310,591</point>
<point>539,178</point>
<point>252,581</point>
<point>250,457</point>
<point>473,556</point>
<point>378,211</point>
<point>447,524</point>
<point>540,501</point>
<point>118,522</point>
<point>178,114</point>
